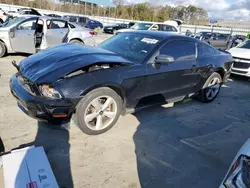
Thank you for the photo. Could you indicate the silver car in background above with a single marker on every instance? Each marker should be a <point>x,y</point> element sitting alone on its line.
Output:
<point>32,34</point>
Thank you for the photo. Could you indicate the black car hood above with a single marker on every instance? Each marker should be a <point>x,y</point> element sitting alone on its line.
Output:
<point>49,65</point>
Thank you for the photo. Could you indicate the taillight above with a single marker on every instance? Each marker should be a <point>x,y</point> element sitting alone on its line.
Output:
<point>4,13</point>
<point>91,33</point>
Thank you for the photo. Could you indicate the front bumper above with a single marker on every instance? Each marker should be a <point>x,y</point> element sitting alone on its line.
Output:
<point>39,107</point>
<point>242,72</point>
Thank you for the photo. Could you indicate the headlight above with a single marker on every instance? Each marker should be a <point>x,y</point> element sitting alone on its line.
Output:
<point>239,174</point>
<point>50,92</point>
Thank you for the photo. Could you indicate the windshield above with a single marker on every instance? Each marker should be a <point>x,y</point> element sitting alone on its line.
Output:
<point>131,46</point>
<point>141,26</point>
<point>10,22</point>
<point>245,45</point>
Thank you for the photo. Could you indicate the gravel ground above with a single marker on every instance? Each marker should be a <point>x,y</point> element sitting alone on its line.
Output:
<point>188,145</point>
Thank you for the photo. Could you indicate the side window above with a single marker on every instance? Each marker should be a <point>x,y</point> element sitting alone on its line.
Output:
<point>205,50</point>
<point>28,25</point>
<point>82,20</point>
<point>57,24</point>
<point>222,37</point>
<point>179,50</point>
<point>72,19</point>
<point>167,28</point>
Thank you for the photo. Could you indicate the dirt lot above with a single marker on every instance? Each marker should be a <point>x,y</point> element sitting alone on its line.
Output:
<point>188,145</point>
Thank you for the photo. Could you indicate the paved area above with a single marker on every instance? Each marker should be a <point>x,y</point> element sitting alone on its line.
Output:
<point>188,145</point>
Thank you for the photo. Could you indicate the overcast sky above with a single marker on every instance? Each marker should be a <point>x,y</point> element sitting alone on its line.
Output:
<point>217,9</point>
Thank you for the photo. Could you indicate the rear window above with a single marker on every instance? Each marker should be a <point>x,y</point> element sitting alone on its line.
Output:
<point>205,50</point>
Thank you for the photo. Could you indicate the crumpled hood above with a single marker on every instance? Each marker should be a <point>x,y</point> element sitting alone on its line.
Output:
<point>49,65</point>
<point>240,52</point>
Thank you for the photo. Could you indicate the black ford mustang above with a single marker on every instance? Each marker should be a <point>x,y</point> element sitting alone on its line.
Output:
<point>99,84</point>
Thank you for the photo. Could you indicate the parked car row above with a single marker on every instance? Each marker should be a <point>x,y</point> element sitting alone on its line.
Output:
<point>29,34</point>
<point>113,29</point>
<point>218,40</point>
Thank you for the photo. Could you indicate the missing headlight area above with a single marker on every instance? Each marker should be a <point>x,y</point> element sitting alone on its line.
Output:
<point>92,68</point>
<point>239,175</point>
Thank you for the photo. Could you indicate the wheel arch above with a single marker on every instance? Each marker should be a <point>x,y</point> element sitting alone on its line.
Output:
<point>114,86</point>
<point>221,72</point>
<point>78,39</point>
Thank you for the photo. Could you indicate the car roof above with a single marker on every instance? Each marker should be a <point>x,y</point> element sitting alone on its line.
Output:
<point>159,34</point>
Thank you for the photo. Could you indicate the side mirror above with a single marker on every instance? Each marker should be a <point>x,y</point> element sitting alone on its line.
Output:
<point>12,32</point>
<point>164,59</point>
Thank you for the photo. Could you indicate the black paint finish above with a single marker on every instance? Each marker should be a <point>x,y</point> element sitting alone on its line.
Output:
<point>131,80</point>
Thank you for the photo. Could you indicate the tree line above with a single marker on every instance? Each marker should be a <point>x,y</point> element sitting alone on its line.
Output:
<point>142,11</point>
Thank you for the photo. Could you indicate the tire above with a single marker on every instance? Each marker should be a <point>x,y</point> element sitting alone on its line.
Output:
<point>76,42</point>
<point>2,49</point>
<point>210,91</point>
<point>91,111</point>
<point>1,21</point>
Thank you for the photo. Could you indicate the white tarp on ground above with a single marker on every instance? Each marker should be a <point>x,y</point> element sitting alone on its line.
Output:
<point>28,168</point>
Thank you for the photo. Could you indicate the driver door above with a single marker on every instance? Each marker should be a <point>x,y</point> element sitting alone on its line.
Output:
<point>22,38</point>
<point>56,32</point>
<point>177,78</point>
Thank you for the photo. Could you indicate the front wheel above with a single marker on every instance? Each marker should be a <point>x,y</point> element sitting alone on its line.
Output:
<point>211,88</point>
<point>98,111</point>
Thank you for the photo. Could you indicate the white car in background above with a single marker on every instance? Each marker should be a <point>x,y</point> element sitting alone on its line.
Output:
<point>30,34</point>
<point>151,26</point>
<point>241,55</point>
<point>238,175</point>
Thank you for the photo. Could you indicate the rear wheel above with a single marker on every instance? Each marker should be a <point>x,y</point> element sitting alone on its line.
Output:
<point>98,111</point>
<point>1,21</point>
<point>2,49</point>
<point>211,88</point>
<point>76,42</point>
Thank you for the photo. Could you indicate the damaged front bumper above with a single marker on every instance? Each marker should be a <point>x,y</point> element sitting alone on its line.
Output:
<point>40,107</point>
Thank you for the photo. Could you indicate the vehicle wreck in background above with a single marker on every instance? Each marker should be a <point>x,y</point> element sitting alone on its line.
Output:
<point>33,33</point>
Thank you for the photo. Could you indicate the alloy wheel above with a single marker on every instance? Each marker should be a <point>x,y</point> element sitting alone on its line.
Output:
<point>100,113</point>
<point>213,88</point>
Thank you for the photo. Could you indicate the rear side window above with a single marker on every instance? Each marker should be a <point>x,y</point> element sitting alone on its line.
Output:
<point>179,50</point>
<point>72,19</point>
<point>205,50</point>
<point>82,19</point>
<point>57,24</point>
<point>221,37</point>
<point>168,28</point>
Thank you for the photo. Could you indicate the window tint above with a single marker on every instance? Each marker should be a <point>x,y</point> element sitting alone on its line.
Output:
<point>82,19</point>
<point>168,28</point>
<point>28,25</point>
<point>57,24</point>
<point>221,37</point>
<point>179,49</point>
<point>72,19</point>
<point>205,50</point>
